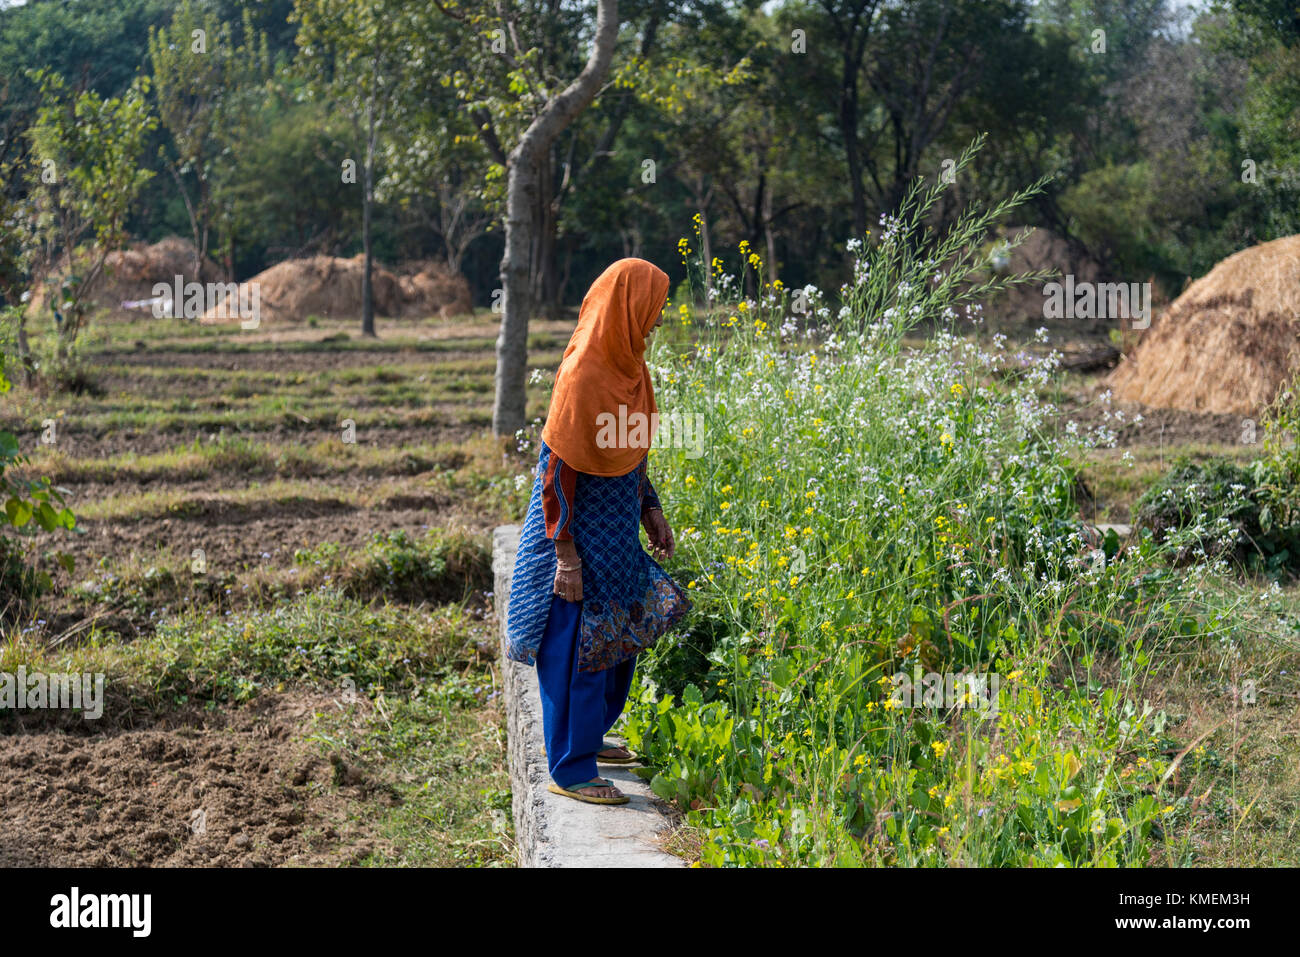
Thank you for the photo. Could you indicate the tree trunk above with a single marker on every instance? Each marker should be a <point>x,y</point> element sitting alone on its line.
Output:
<point>367,288</point>
<point>509,410</point>
<point>769,235</point>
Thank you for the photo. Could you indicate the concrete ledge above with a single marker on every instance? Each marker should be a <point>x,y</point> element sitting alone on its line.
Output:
<point>551,830</point>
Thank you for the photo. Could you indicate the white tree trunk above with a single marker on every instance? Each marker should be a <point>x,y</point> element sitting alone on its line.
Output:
<point>508,413</point>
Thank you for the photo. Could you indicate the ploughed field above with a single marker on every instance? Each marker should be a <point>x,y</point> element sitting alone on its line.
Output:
<point>249,501</point>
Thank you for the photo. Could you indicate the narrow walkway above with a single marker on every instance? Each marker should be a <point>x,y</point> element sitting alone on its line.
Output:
<point>551,830</point>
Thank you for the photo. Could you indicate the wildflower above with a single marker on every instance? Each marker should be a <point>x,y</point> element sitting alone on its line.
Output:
<point>939,747</point>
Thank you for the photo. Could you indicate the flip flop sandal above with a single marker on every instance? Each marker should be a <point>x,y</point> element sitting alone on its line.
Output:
<point>571,791</point>
<point>631,758</point>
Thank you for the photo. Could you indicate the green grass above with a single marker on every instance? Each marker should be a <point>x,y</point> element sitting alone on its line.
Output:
<point>443,751</point>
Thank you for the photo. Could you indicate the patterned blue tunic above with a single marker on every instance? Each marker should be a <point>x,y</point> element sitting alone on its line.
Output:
<point>628,600</point>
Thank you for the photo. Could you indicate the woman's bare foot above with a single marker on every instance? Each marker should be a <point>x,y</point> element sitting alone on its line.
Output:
<point>615,752</point>
<point>605,792</point>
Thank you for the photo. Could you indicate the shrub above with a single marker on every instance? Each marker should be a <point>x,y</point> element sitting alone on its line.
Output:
<point>865,512</point>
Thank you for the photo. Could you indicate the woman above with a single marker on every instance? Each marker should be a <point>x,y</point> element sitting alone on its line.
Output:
<point>585,598</point>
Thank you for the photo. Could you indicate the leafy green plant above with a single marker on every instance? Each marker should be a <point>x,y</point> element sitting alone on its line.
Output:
<point>865,512</point>
<point>29,503</point>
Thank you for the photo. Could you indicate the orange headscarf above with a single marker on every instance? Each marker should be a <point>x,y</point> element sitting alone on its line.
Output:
<point>604,369</point>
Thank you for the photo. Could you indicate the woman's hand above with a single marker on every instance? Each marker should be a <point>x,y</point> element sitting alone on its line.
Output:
<point>660,533</point>
<point>568,572</point>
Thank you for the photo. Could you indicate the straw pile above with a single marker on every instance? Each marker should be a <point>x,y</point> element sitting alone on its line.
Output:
<point>1227,344</point>
<point>330,287</point>
<point>130,274</point>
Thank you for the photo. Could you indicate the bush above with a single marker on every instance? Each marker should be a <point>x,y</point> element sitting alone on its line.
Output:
<point>28,503</point>
<point>865,512</point>
<point>1212,509</point>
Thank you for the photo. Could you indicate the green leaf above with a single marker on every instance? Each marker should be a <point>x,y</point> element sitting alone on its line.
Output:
<point>19,512</point>
<point>663,787</point>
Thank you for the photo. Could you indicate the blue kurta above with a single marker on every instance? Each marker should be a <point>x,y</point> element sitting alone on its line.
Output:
<point>628,600</point>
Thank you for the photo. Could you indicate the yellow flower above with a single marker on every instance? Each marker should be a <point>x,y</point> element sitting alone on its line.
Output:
<point>690,480</point>
<point>956,388</point>
<point>691,583</point>
<point>939,747</point>
<point>725,489</point>
<point>724,506</point>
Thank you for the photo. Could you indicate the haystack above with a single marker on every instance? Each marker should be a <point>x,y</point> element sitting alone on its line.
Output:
<point>130,274</point>
<point>1227,344</point>
<point>430,288</point>
<point>330,287</point>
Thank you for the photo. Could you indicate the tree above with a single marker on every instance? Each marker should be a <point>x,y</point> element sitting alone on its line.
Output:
<point>508,411</point>
<point>539,116</point>
<point>199,74</point>
<point>356,53</point>
<point>188,58</point>
<point>83,181</point>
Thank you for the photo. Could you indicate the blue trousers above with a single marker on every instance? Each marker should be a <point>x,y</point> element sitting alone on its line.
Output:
<point>578,708</point>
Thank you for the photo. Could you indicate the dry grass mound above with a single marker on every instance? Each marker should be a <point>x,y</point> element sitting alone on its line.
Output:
<point>330,287</point>
<point>130,274</point>
<point>1227,344</point>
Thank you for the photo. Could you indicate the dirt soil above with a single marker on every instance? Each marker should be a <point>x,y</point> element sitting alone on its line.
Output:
<point>235,788</point>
